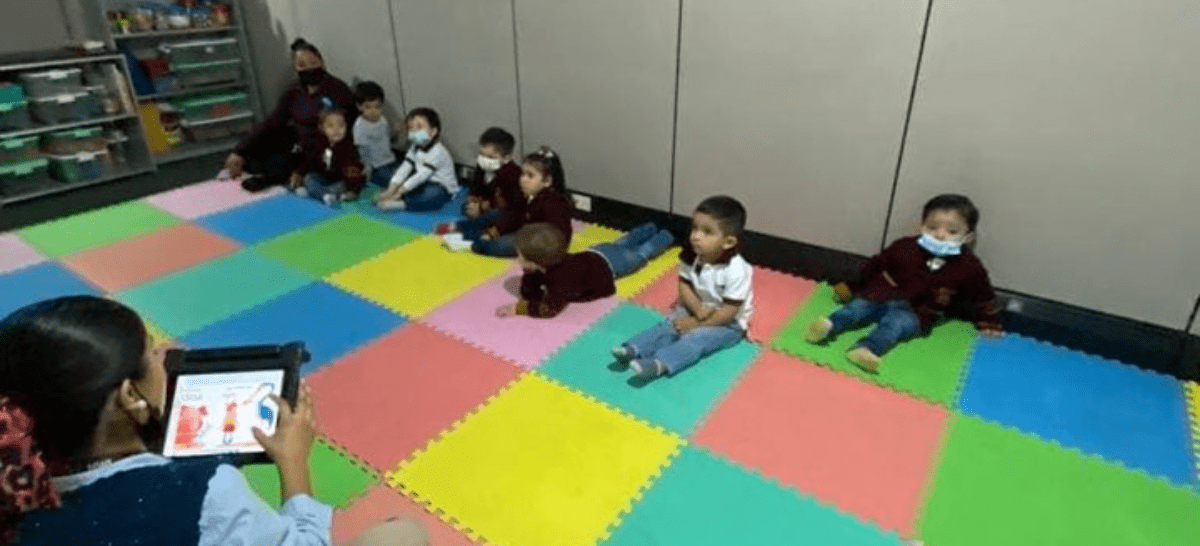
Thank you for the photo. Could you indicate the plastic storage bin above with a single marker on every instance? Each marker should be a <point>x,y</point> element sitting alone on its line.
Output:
<point>79,167</point>
<point>119,146</point>
<point>216,130</point>
<point>64,108</point>
<point>208,73</point>
<point>14,116</point>
<point>52,82</point>
<point>11,92</point>
<point>73,141</point>
<point>208,107</point>
<point>19,149</point>
<point>22,176</point>
<point>201,51</point>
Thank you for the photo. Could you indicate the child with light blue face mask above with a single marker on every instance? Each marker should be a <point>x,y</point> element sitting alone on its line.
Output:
<point>425,179</point>
<point>914,283</point>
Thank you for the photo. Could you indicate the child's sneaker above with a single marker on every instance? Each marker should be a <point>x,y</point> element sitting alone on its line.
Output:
<point>865,359</point>
<point>647,369</point>
<point>819,329</point>
<point>455,242</point>
<point>392,204</point>
<point>444,228</point>
<point>330,199</point>
<point>623,354</point>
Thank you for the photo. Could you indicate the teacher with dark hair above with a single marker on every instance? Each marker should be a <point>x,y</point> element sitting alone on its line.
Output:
<point>271,152</point>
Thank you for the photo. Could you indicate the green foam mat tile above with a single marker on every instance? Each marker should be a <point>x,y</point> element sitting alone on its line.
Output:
<point>701,499</point>
<point>336,244</point>
<point>930,367</point>
<point>99,227</point>
<point>337,478</point>
<point>995,486</point>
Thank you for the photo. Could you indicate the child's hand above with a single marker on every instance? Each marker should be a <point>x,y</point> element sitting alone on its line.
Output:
<point>506,310</point>
<point>296,431</point>
<point>990,332</point>
<point>842,293</point>
<point>473,209</point>
<point>295,181</point>
<point>686,324</point>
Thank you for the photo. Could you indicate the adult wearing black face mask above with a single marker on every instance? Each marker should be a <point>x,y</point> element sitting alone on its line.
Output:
<point>271,150</point>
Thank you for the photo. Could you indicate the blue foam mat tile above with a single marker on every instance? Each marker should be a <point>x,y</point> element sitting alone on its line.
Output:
<point>38,282</point>
<point>423,222</point>
<point>329,321</point>
<point>1121,413</point>
<point>267,218</point>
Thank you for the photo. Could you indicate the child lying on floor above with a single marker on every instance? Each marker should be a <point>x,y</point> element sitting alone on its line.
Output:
<point>714,292</point>
<point>553,278</point>
<point>912,284</point>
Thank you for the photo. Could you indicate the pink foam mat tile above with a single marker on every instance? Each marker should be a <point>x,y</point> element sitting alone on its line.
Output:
<point>391,397</point>
<point>16,254</point>
<point>131,262</point>
<point>196,200</point>
<point>524,340</point>
<point>383,503</point>
<point>777,295</point>
<point>859,447</point>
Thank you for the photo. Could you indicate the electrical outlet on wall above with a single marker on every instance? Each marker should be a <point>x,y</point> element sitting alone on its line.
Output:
<point>582,202</point>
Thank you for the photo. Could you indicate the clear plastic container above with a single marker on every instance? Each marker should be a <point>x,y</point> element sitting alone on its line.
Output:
<point>208,73</point>
<point>119,146</point>
<point>208,107</point>
<point>52,82</point>
<point>14,116</point>
<point>19,149</point>
<point>73,141</point>
<point>201,51</point>
<point>64,108</point>
<point>218,129</point>
<point>79,167</point>
<point>21,177</point>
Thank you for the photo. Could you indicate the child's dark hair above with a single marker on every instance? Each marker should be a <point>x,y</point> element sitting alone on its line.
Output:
<point>547,162</point>
<point>953,202</point>
<point>542,243</point>
<point>63,358</point>
<point>302,45</point>
<point>367,91</point>
<point>429,115</point>
<point>502,140</point>
<point>727,211</point>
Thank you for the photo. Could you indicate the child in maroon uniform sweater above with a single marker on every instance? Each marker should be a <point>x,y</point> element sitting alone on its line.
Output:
<point>914,282</point>
<point>330,170</point>
<point>495,187</point>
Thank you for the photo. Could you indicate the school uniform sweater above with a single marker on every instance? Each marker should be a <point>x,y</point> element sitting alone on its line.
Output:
<point>336,163</point>
<point>580,277</point>
<point>959,285</point>
<point>295,118</point>
<point>503,191</point>
<point>547,206</point>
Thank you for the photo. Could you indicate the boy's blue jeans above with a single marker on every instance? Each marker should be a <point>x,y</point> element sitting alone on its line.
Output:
<point>896,322</point>
<point>630,252</point>
<point>680,351</point>
<point>382,176</point>
<point>472,230</point>
<point>426,197</point>
<point>318,186</point>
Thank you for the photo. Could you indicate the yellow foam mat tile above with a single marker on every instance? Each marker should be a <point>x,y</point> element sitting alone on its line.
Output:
<point>1192,390</point>
<point>156,333</point>
<point>632,285</point>
<point>418,277</point>
<point>590,235</point>
<point>538,465</point>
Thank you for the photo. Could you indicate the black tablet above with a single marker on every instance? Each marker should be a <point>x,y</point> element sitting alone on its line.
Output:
<point>215,397</point>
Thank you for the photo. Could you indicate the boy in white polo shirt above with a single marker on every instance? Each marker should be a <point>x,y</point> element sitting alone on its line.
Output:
<point>715,296</point>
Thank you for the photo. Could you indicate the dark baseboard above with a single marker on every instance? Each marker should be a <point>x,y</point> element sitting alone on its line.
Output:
<point>1149,346</point>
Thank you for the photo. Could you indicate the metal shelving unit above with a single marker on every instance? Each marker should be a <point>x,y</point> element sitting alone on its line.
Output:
<point>174,33</point>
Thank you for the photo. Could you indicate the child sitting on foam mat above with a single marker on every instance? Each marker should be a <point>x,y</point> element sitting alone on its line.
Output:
<point>912,283</point>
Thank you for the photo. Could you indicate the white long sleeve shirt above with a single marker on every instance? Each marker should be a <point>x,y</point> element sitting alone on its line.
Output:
<point>420,165</point>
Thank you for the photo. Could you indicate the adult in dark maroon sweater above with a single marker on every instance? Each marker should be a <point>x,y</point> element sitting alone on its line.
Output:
<point>915,282</point>
<point>331,169</point>
<point>272,149</point>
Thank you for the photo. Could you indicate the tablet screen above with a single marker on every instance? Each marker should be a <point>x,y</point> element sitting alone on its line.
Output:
<point>214,413</point>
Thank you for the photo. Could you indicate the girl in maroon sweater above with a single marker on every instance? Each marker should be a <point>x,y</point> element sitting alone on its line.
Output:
<point>543,185</point>
<point>330,170</point>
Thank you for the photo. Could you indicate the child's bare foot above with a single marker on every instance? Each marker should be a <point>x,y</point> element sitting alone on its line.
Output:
<point>818,329</point>
<point>865,359</point>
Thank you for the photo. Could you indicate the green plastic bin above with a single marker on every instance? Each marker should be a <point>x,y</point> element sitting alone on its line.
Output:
<point>201,51</point>
<point>208,73</point>
<point>14,116</point>
<point>21,177</point>
<point>216,106</point>
<point>19,149</point>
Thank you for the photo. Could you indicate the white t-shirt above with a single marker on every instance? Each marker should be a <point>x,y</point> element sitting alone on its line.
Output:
<point>420,165</point>
<point>717,284</point>
<point>374,141</point>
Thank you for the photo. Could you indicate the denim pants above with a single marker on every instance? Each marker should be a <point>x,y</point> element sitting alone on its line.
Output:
<point>895,322</point>
<point>318,186</point>
<point>426,197</point>
<point>472,230</point>
<point>381,176</point>
<point>630,252</point>
<point>680,351</point>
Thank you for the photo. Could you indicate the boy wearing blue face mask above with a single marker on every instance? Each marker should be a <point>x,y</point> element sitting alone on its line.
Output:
<point>912,283</point>
<point>425,180</point>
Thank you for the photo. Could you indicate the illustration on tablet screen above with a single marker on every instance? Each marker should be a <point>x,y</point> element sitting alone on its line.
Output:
<point>242,402</point>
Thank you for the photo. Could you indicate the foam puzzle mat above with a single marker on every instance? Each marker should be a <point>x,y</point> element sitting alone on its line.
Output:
<point>523,432</point>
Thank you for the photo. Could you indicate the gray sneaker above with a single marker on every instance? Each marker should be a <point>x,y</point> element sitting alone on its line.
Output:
<point>647,369</point>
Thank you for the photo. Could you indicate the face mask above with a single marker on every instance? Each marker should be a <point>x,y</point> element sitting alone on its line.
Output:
<point>312,76</point>
<point>419,137</point>
<point>939,248</point>
<point>489,164</point>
